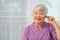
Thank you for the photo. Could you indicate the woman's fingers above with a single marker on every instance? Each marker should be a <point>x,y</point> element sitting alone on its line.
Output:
<point>50,18</point>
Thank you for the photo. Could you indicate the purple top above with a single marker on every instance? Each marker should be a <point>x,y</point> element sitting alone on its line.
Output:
<point>47,33</point>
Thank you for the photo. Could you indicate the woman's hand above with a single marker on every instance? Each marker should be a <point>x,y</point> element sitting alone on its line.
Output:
<point>51,20</point>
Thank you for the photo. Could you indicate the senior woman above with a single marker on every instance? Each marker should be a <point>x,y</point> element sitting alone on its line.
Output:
<point>39,29</point>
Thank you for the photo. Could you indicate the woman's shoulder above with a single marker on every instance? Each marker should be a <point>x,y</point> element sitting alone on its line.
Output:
<point>29,26</point>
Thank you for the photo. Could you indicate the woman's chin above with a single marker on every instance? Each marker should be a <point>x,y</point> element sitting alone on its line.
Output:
<point>38,22</point>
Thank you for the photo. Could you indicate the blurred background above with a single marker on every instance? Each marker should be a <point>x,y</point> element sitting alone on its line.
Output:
<point>15,15</point>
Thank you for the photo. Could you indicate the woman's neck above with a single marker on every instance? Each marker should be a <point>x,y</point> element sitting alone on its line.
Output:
<point>39,25</point>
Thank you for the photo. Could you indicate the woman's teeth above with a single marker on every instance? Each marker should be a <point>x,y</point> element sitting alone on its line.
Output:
<point>38,19</point>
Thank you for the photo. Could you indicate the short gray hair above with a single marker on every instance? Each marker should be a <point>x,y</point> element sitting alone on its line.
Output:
<point>41,6</point>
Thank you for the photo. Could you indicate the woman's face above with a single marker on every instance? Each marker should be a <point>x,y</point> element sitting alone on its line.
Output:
<point>39,15</point>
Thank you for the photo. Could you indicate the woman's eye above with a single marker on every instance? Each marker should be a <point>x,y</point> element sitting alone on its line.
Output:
<point>35,13</point>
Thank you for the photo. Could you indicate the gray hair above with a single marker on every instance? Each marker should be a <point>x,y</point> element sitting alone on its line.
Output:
<point>41,6</point>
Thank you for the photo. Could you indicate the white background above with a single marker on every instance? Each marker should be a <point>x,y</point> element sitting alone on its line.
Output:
<point>15,15</point>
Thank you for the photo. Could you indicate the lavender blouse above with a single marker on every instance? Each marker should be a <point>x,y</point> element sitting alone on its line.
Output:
<point>47,33</point>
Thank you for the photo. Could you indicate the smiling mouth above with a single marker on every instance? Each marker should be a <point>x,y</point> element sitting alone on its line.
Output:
<point>38,19</point>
